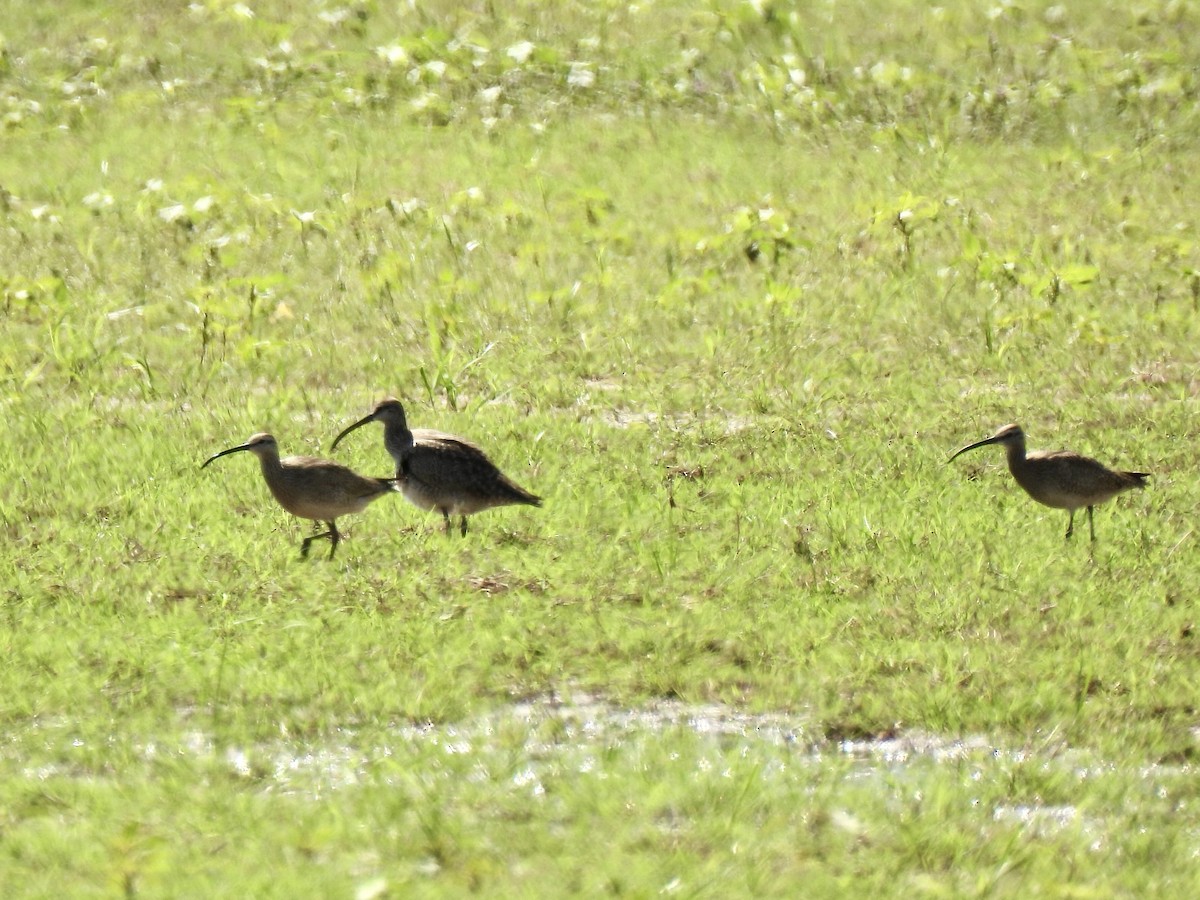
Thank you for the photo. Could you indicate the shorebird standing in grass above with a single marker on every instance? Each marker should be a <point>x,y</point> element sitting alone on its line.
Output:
<point>1061,479</point>
<point>312,488</point>
<point>435,470</point>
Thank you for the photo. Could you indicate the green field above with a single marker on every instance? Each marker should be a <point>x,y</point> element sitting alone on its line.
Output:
<point>726,283</point>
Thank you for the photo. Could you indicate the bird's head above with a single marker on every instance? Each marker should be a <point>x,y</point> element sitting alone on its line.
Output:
<point>1009,436</point>
<point>261,444</point>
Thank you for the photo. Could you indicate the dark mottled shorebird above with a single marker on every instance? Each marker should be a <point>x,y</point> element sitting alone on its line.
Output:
<point>312,488</point>
<point>1060,478</point>
<point>440,471</point>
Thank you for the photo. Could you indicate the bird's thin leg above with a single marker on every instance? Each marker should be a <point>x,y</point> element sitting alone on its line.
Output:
<point>1071,523</point>
<point>1091,527</point>
<point>334,537</point>
<point>463,527</point>
<point>446,516</point>
<point>331,534</point>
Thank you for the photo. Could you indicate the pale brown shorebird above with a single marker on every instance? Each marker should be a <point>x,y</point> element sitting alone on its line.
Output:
<point>1061,479</point>
<point>312,488</point>
<point>435,470</point>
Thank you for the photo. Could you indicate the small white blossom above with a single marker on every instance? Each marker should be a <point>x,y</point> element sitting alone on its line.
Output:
<point>521,52</point>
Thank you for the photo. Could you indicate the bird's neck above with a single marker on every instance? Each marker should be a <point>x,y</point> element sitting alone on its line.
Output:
<point>1016,454</point>
<point>397,438</point>
<point>270,464</point>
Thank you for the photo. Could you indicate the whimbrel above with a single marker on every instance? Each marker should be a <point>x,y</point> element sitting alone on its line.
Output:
<point>312,488</point>
<point>1060,478</point>
<point>440,471</point>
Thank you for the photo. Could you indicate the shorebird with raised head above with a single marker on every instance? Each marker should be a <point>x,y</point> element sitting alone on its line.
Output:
<point>312,488</point>
<point>1061,479</point>
<point>436,470</point>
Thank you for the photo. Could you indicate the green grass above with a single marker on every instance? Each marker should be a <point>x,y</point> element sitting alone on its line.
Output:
<point>726,283</point>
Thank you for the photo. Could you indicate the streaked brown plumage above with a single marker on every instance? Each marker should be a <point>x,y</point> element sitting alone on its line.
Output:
<point>312,488</point>
<point>435,470</point>
<point>1061,478</point>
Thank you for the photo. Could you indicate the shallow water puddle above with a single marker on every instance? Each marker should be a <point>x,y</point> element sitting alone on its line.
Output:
<point>521,747</point>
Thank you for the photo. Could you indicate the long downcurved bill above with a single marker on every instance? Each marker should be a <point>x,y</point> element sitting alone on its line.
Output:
<point>225,453</point>
<point>983,443</point>
<point>359,424</point>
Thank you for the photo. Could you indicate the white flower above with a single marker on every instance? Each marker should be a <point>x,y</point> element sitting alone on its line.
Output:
<point>521,52</point>
<point>393,55</point>
<point>580,75</point>
<point>98,200</point>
